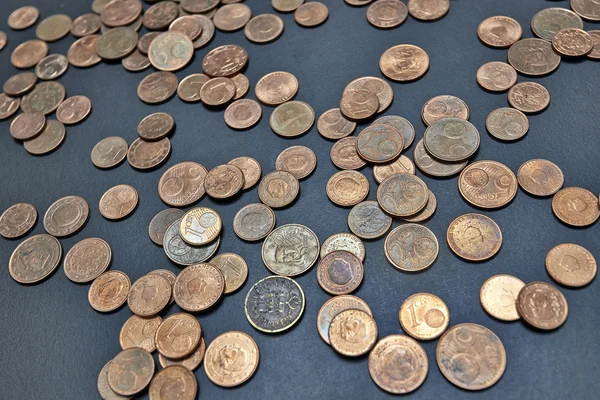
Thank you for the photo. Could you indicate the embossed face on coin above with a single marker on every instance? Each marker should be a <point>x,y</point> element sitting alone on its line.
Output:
<point>474,237</point>
<point>254,222</point>
<point>224,181</point>
<point>149,295</point>
<point>109,291</point>
<point>290,250</point>
<point>411,247</point>
<point>87,259</point>
<point>540,177</point>
<point>542,306</point>
<point>243,114</point>
<point>198,287</point>
<point>353,333</point>
<point>347,188</point>
<point>402,195</point>
<point>368,221</point>
<point>576,206</point>
<point>35,259</point>
<point>17,220</point>
<point>300,161</point>
<point>571,265</point>
<point>143,154</point>
<point>498,296</point>
<point>130,371</point>
<point>231,359</point>
<point>333,307</point>
<point>424,316</point>
<point>344,155</point>
<point>340,272</point>
<point>156,126</point>
<point>487,184</point>
<point>66,216</point>
<point>278,189</point>
<point>386,14</point>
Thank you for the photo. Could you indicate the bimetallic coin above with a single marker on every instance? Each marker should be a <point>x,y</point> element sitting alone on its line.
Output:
<point>529,97</point>
<point>109,291</point>
<point>547,22</point>
<point>250,169</point>
<point>433,167</point>
<point>29,53</point>
<point>224,181</point>
<point>542,306</point>
<point>103,388</point>
<point>53,27</point>
<point>487,184</point>
<point>425,213</point>
<point>496,76</point>
<point>278,189</point>
<point>474,237</point>
<point>540,177</point>
<point>402,165</point>
<point>507,124</point>
<point>160,15</point>
<point>359,104</point>
<point>290,250</point>
<point>217,91</point>
<point>35,259</point>
<point>344,155</point>
<point>286,6</point>
<point>190,86</point>
<point>82,53</point>
<point>170,51</point>
<point>200,226</point>
<point>311,14</point>
<point>499,31</point>
<point>180,252</point>
<point>135,62</point>
<point>587,9</point>
<point>424,316</point>
<point>299,161</point>
<point>232,17</point>
<point>353,333</point>
<point>402,125</point>
<point>182,184</point>
<point>231,359</point>
<point>428,10</point>
<point>402,195</point>
<point>340,272</point>
<point>87,260</point>
<point>27,125</point>
<point>146,155</point>
<point>386,14</point>
<point>411,247</point>
<point>50,138</point>
<point>51,67</point>
<point>121,12</point>
<point>191,362</point>
<point>8,106</point>
<point>264,28</point>
<point>234,270</point>
<point>576,206</point>
<point>23,18</point>
<point>445,106</point>
<point>178,335</point>
<point>156,126</point>
<point>243,114</point>
<point>292,118</point>
<point>130,371</point>
<point>366,220</point>
<point>276,88</point>
<point>498,296</point>
<point>149,295</point>
<point>74,110</point>
<point>197,288</point>
<point>404,62</point>
<point>44,98</point>
<point>347,188</point>
<point>572,42</point>
<point>571,265</point>
<point>116,43</point>
<point>379,143</point>
<point>175,380</point>
<point>253,222</point>
<point>344,241</point>
<point>17,220</point>
<point>109,152</point>
<point>533,57</point>
<point>157,87</point>
<point>139,332</point>
<point>66,216</point>
<point>333,125</point>
<point>118,202</point>
<point>86,25</point>
<point>334,306</point>
<point>225,60</point>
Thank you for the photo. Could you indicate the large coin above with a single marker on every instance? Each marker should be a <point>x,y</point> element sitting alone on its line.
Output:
<point>66,216</point>
<point>44,98</point>
<point>499,31</point>
<point>17,220</point>
<point>82,53</point>
<point>424,316</point>
<point>474,237</point>
<point>533,57</point>
<point>254,222</point>
<point>542,306</point>
<point>496,76</point>
<point>234,270</point>
<point>87,260</point>
<point>156,126</point>
<point>121,12</point>
<point>178,335</point>
<point>444,106</point>
<point>366,220</point>
<point>146,155</point>
<point>278,189</point>
<point>433,167</point>
<point>428,10</point>
<point>359,104</point>
<point>225,60</point>
<point>540,177</point>
<point>333,307</point>
<point>529,97</point>
<point>290,250</point>
<point>139,332</point>
<point>404,62</point>
<point>182,184</point>
<point>387,14</point>
<point>347,188</point>
<point>231,359</point>
<point>402,125</point>
<point>198,287</point>
<point>576,206</point>
<point>109,152</point>
<point>353,333</point>
<point>224,181</point>
<point>411,247</point>
<point>29,53</point>
<point>250,169</point>
<point>487,184</point>
<point>507,124</point>
<point>243,114</point>
<point>498,296</point>
<point>311,14</point>
<point>344,155</point>
<point>292,118</point>
<point>103,388</point>
<point>109,291</point>
<point>402,195</point>
<point>572,42</point>
<point>118,202</point>
<point>35,259</point>
<point>149,295</point>
<point>53,27</point>
<point>276,88</point>
<point>333,125</point>
<point>588,9</point>
<point>157,87</point>
<point>175,380</point>
<point>47,141</point>
<point>402,165</point>
<point>117,43</point>
<point>74,110</point>
<point>200,226</point>
<point>547,22</point>
<point>340,272</point>
<point>571,265</point>
<point>170,51</point>
<point>379,143</point>
<point>180,252</point>
<point>264,28</point>
<point>23,18</point>
<point>299,161</point>
<point>27,126</point>
<point>130,371</point>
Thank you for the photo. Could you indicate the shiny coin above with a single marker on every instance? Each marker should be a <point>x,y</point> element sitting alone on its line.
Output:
<point>533,57</point>
<point>499,31</point>
<point>379,143</point>
<point>161,222</point>
<point>340,272</point>
<point>180,252</point>
<point>188,26</point>
<point>242,85</point>
<point>353,333</point>
<point>35,259</point>
<point>175,380</point>
<point>74,110</point>
<point>254,222</point>
<point>29,53</point>
<point>231,17</point>
<point>496,76</point>
<point>588,9</point>
<point>300,161</point>
<point>507,124</point>
<point>27,125</point>
<point>250,169</point>
<point>146,155</point>
<point>8,106</point>
<point>224,181</point>
<point>344,241</point>
<point>208,31</point>
<point>85,25</point>
<point>170,51</point>
<point>487,184</point>
<point>19,84</point>
<point>178,336</point>
<point>139,332</point>
<point>425,213</point>
<point>576,206</point>
<point>547,22</point>
<point>571,265</point>
<point>82,53</point>
<point>377,86</point>
<point>311,14</point>
<point>366,220</point>
<point>404,62</point>
<point>335,306</point>
<point>278,189</point>
<point>116,43</point>
<point>359,104</point>
<point>347,188</point>
<point>474,237</point>
<point>168,275</point>
<point>121,12</point>
<point>424,316</point>
<point>104,389</point>
<point>197,288</point>
<point>244,351</point>
<point>66,216</point>
<point>402,165</point>
<point>157,87</point>
<point>542,306</point>
<point>234,270</point>
<point>402,125</point>
<point>200,226</point>
<point>17,220</point>
<point>243,114</point>
<point>276,88</point>
<point>143,44</point>
<point>160,15</point>
<point>44,98</point>
<point>109,291</point>
<point>540,177</point>
<point>149,295</point>
<point>118,202</point>
<point>290,250</point>
<point>225,60</point>
<point>87,260</point>
<point>191,362</point>
<point>433,167</point>
<point>529,97</point>
<point>182,184</point>
<point>572,42</point>
<point>333,125</point>
<point>23,18</point>
<point>451,139</point>
<point>47,141</point>
<point>428,10</point>
<point>109,152</point>
<point>264,28</point>
<point>402,195</point>
<point>387,14</point>
<point>217,91</point>
<point>498,296</point>
<point>286,6</point>
<point>190,86</point>
<point>130,371</point>
<point>411,247</point>
<point>53,28</point>
<point>135,62</point>
<point>199,6</point>
<point>156,126</point>
<point>445,106</point>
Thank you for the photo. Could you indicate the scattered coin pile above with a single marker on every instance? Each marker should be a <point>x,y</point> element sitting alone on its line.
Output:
<point>397,363</point>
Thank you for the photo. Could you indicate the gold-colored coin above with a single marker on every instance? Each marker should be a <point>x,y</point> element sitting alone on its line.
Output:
<point>498,296</point>
<point>200,226</point>
<point>353,333</point>
<point>424,316</point>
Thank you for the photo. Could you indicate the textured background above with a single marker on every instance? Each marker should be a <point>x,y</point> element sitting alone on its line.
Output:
<point>54,344</point>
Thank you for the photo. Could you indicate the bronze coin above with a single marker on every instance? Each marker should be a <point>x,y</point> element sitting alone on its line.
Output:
<point>180,252</point>
<point>182,184</point>
<point>507,124</point>
<point>118,202</point>
<point>474,237</point>
<point>499,31</point>
<point>498,296</point>
<point>197,288</point>
<point>66,216</point>
<point>242,85</point>
<point>170,276</point>
<point>377,86</point>
<point>276,88</point>
<point>496,76</point>
<point>139,332</point>
<point>571,265</point>
<point>433,167</point>
<point>402,165</point>
<point>572,42</point>
<point>146,155</point>
<point>540,177</point>
<point>27,125</point>
<point>425,213</point>
<point>547,22</point>
<point>424,316</point>
<point>340,272</point>
<point>116,43</point>
<point>411,247</point>
<point>293,118</point>
<point>386,14</point>
<point>250,169</point>
<point>232,17</point>
<point>135,25</point>
<point>34,259</point>
<point>286,6</point>
<point>533,57</point>
<point>542,306</point>
<point>188,26</point>
<point>363,336</point>
<point>242,113</point>
<point>109,152</point>
<point>170,51</point>
<point>23,18</point>
<point>311,14</point>
<point>157,87</point>
<point>366,220</point>
<point>17,220</point>
<point>253,222</point>
<point>160,15</point>
<point>234,270</point>
<point>300,161</point>
<point>19,84</point>
<point>44,98</point>
<point>178,336</point>
<point>8,106</point>
<point>199,6</point>
<point>334,306</point>
<point>143,44</point>
<point>217,91</point>
<point>529,97</point>
<point>191,362</point>
<point>190,86</point>
<point>333,125</point>
<point>74,110</point>
<point>238,343</point>
<point>445,106</point>
<point>278,189</point>
<point>86,25</point>
<point>343,241</point>
<point>402,195</point>
<point>379,143</point>
<point>103,388</point>
<point>53,27</point>
<point>200,226</point>
<point>451,139</point>
<point>344,155</point>
<point>359,104</point>
<point>301,246</point>
<point>29,53</point>
<point>402,125</point>
<point>109,291</point>
<point>576,206</point>
<point>487,184</point>
<point>208,31</point>
<point>428,10</point>
<point>135,62</point>
<point>149,295</point>
<point>595,53</point>
<point>161,222</point>
<point>347,188</point>
<point>225,60</point>
<point>162,387</point>
<point>156,126</point>
<point>264,28</point>
<point>51,137</point>
<point>224,181</point>
<point>587,9</point>
<point>121,12</point>
<point>130,371</point>
<point>82,53</point>
<point>87,260</point>
<point>404,62</point>
<point>3,40</point>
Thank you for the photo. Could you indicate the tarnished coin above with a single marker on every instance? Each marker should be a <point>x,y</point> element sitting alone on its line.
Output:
<point>343,241</point>
<point>180,252</point>
<point>231,17</point>
<point>433,167</point>
<point>234,270</point>
<point>411,247</point>
<point>547,22</point>
<point>130,371</point>
<point>498,296</point>
<point>135,25</point>
<point>300,161</point>
<point>359,104</point>
<point>571,265</point>
<point>8,106</point>
<point>121,12</point>
<point>143,44</point>
<point>160,15</point>
<point>243,114</point>
<point>66,216</point>
<point>402,195</point>
<point>29,53</point>
<point>542,306</point>
<point>224,181</point>
<point>190,86</point>
<point>333,125</point>
<point>340,272</point>
<point>135,62</point>
<point>188,26</point>
<point>344,155</point>
<point>149,295</point>
<point>290,250</point>
<point>242,85</point>
<point>217,91</point>
<point>451,139</point>
<point>588,9</point>
<point>529,97</point>
<point>109,291</point>
<point>156,126</point>
<point>424,316</point>
<point>104,389</point>
<point>44,98</point>
<point>161,222</point>
<point>286,6</point>
<point>487,184</point>
<point>17,220</point>
<point>82,53</point>
<point>3,40</point>
<point>168,275</point>
<point>264,28</point>
<point>425,213</point>
<point>353,333</point>
<point>311,14</point>
<point>34,259</point>
<point>118,202</point>
<point>379,143</point>
<point>293,118</point>
<point>499,31</point>
<point>253,222</point>
<point>208,31</point>
<point>471,356</point>
<point>386,14</point>
<point>572,42</point>
<point>445,106</point>
<point>225,60</point>
<point>250,169</point>
<point>334,306</point>
<point>23,18</point>
<point>241,353</point>
<point>540,177</point>
<point>146,155</point>
<point>474,237</point>
<point>428,10</point>
<point>182,184</point>
<point>175,380</point>
<point>86,25</point>
<point>109,152</point>
<point>402,125</point>
<point>276,88</point>
<point>87,260</point>
<point>19,84</point>
<point>576,206</point>
<point>47,141</point>
<point>74,110</point>
<point>200,226</point>
<point>178,336</point>
<point>53,27</point>
<point>402,165</point>
<point>398,364</point>
<point>197,288</point>
<point>27,125</point>
<point>191,362</point>
<point>170,51</point>
<point>375,85</point>
<point>347,188</point>
<point>274,293</point>
<point>404,62</point>
<point>507,124</point>
<point>496,76</point>
<point>533,57</point>
<point>198,6</point>
<point>139,332</point>
<point>278,189</point>
<point>157,87</point>
<point>366,220</point>
<point>116,43</point>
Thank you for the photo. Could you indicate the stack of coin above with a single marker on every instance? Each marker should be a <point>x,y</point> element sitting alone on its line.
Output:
<point>152,147</point>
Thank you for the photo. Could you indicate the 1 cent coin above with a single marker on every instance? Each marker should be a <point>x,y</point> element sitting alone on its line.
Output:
<point>250,168</point>
<point>411,247</point>
<point>300,161</point>
<point>576,206</point>
<point>191,362</point>
<point>27,125</point>
<point>499,31</point>
<point>347,188</point>
<point>386,14</point>
<point>182,184</point>
<point>424,316</point>
<point>253,222</point>
<point>507,124</point>
<point>333,125</point>
<point>175,380</point>
<point>402,195</point>
<point>498,296</point>
<point>118,202</point>
<point>353,333</point>
<point>85,25</point>
<point>109,152</point>
<point>200,226</point>
<point>344,155</point>
<point>444,106</point>
<point>540,177</point>
<point>333,307</point>
<point>51,67</point>
<point>190,86</point>
<point>278,189</point>
<point>143,154</point>
<point>180,252</point>
<point>139,332</point>
<point>178,336</point>
<point>156,126</point>
<point>17,220</point>
<point>292,118</point>
<point>50,138</point>
<point>74,110</point>
<point>66,216</point>
<point>571,265</point>
<point>529,97</point>
<point>217,91</point>
<point>87,260</point>
<point>487,184</point>
<point>496,76</point>
<point>234,270</point>
<point>149,295</point>
<point>130,371</point>
<point>241,353</point>
<point>197,288</point>
<point>404,62</point>
<point>109,291</point>
<point>276,88</point>
<point>290,250</point>
<point>474,237</point>
<point>340,272</point>
<point>8,106</point>
<point>542,306</point>
<point>366,220</point>
<point>82,53</point>
<point>379,143</point>
<point>35,259</point>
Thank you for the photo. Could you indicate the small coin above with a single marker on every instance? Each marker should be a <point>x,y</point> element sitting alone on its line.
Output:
<point>377,86</point>
<point>595,53</point>
<point>66,216</point>
<point>182,185</point>
<point>44,98</point>
<point>264,28</point>
<point>254,222</point>
<point>242,85</point>
<point>53,28</point>
<point>121,12</point>
<point>344,155</point>
<point>451,139</point>
<point>149,295</point>
<point>283,294</point>
<point>35,259</point>
<point>29,53</point>
<point>425,213</point>
<point>74,110</point>
<point>82,53</point>
<point>245,351</point>
<point>402,125</point>
<point>87,260</point>
<point>103,388</point>
<point>404,62</point>
<point>333,125</point>
<point>232,17</point>
<point>571,265</point>
<point>157,87</point>
<point>353,333</point>
<point>540,177</point>
<point>139,332</point>
<point>156,126</point>
<point>547,22</point>
<point>542,306</point>
<point>576,206</point>
<point>587,9</point>
<point>8,106</point>
<point>445,106</point>
<point>200,226</point>
<point>335,306</point>
<point>143,44</point>
<point>250,169</point>
<point>180,252</point>
<point>572,42</point>
<point>191,362</point>
<point>276,88</point>
<point>116,43</point>
<point>3,40</point>
<point>311,14</point>
<point>402,195</point>
<point>135,62</point>
<point>359,104</point>
<point>208,31</point>
<point>390,375</point>
<point>487,184</point>
<point>19,84</point>
<point>160,15</point>
<point>118,202</point>
<point>217,92</point>
<point>130,371</point>
<point>188,26</point>
<point>23,18</point>
<point>170,51</point>
<point>386,14</point>
<point>178,336</point>
<point>27,125</point>
<point>243,114</point>
<point>402,165</point>
<point>109,291</point>
<point>199,6</point>
<point>433,167</point>
<point>234,270</point>
<point>379,143</point>
<point>529,97</point>
<point>498,296</point>
<point>109,152</point>
<point>224,181</point>
<point>474,237</point>
<point>499,31</point>
<point>340,272</point>
<point>175,380</point>
<point>411,247</point>
<point>17,220</point>
<point>344,241</point>
<point>86,25</point>
<point>286,6</point>
<point>278,189</point>
<point>170,276</point>
<point>533,57</point>
<point>428,10</point>
<point>146,155</point>
<point>366,220</point>
<point>347,188</point>
<point>225,60</point>
<point>496,76</point>
<point>300,161</point>
<point>47,141</point>
<point>135,25</point>
<point>197,288</point>
<point>471,356</point>
<point>290,250</point>
<point>424,316</point>
<point>190,86</point>
<point>507,124</point>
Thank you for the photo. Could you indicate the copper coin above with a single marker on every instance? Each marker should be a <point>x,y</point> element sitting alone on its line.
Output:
<point>507,124</point>
<point>474,237</point>
<point>109,152</point>
<point>44,98</point>
<point>29,53</point>
<point>334,306</point>
<point>8,106</point>
<point>588,9</point>
<point>451,139</point>
<point>170,51</point>
<point>529,97</point>
<point>190,86</point>
<point>234,270</point>
<point>496,76</point>
<point>182,184</point>
<point>242,85</point>
<point>17,220</point>
<point>387,14</point>
<point>160,15</point>
<point>225,60</point>
<point>200,226</point>
<point>161,222</point>
<point>300,161</point>
<point>471,356</point>
<point>499,31</point>
<point>533,57</point>
<point>445,106</point>
<point>487,184</point>
<point>572,42</point>
<point>139,332</point>
<point>149,295</point>
<point>595,53</point>
<point>428,10</point>
<point>74,110</point>
<point>87,260</point>
<point>238,343</point>
<point>264,28</point>
<point>199,6</point>
<point>243,114</point>
<point>135,62</point>
<point>3,40</point>
<point>197,288</point>
<point>333,125</point>
<point>540,177</point>
<point>53,27</point>
<point>278,189</point>
<point>366,220</point>
<point>34,259</point>
<point>121,12</point>
<point>379,143</point>
<point>253,222</point>
<point>377,86</point>
<point>390,375</point>
<point>157,87</point>
<point>217,91</point>
<point>498,296</point>
<point>187,25</point>
<point>250,169</point>
<point>170,276</point>
<point>118,202</point>
<point>130,371</point>
<point>433,167</point>
<point>103,388</point>
<point>27,125</point>
<point>156,126</point>
<point>143,44</point>
<point>547,22</point>
<point>23,18</point>
<point>286,6</point>
<point>402,125</point>
<point>359,104</point>
<point>116,43</point>
<point>175,380</point>
<point>424,316</point>
<point>571,265</point>
<point>191,362</point>
<point>576,206</point>
<point>542,306</point>
<point>293,118</point>
<point>19,84</point>
<point>82,53</point>
<point>402,165</point>
<point>411,247</point>
<point>109,291</point>
<point>135,25</point>
<point>300,245</point>
<point>231,17</point>
<point>180,252</point>
<point>402,195</point>
<point>208,31</point>
<point>276,88</point>
<point>343,241</point>
<point>340,272</point>
<point>145,155</point>
<point>224,181</point>
<point>425,213</point>
<point>86,25</point>
<point>353,333</point>
<point>347,188</point>
<point>66,216</point>
<point>51,137</point>
<point>311,14</point>
<point>178,336</point>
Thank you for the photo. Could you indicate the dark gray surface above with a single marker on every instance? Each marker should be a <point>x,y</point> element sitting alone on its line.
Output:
<point>54,344</point>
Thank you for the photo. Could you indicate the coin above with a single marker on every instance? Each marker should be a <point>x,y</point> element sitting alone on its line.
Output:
<point>116,43</point>
<point>243,114</point>
<point>474,237</point>
<point>507,124</point>
<point>157,87</point>
<point>178,336</point>
<point>333,125</point>
<point>109,152</point>
<point>571,265</point>
<point>146,155</point>
<point>343,241</point>
<point>170,51</point>
<point>411,247</point>
<point>135,62</point>
<point>44,98</point>
<point>188,26</point>
<point>402,164</point>
<point>471,356</point>
<point>29,53</point>
<point>253,222</point>
<point>242,85</point>
<point>359,104</point>
<point>199,6</point>
<point>276,88</point>
<point>290,250</point>
<point>424,316</point>
<point>278,189</point>
<point>425,213</point>
<point>499,31</point>
<point>182,184</point>
<point>23,18</point>
<point>19,84</point>
<point>542,306</point>
<point>379,143</point>
<point>547,22</point>
<point>386,14</point>
<point>366,220</point>
<point>197,288</point>
<point>540,177</point>
<point>8,106</point>
<point>353,333</point>
<point>87,260</point>
<point>274,293</point>
<point>118,202</point>
<point>340,272</point>
<point>311,14</point>
<point>130,371</point>
<point>428,10</point>
<point>3,39</point>
<point>496,76</point>
<point>82,53</point>
<point>139,332</point>
<point>190,86</point>
<point>335,306</point>
<point>264,28</point>
<point>156,126</point>
<point>529,97</point>
<point>451,139</point>
<point>47,141</point>
<point>135,25</point>
<point>588,9</point>
<point>191,362</point>
<point>225,60</point>
<point>232,17</point>
<point>285,6</point>
<point>34,259</point>
<point>109,291</point>
<point>234,270</point>
<point>160,15</point>
<point>208,31</point>
<point>250,169</point>
<point>300,161</point>
<point>224,181</point>
<point>487,184</point>
<point>433,167</point>
<point>344,155</point>
<point>121,12</point>
<point>200,226</point>
<point>74,110</point>
<point>498,296</point>
<point>53,28</point>
<point>402,125</point>
<point>66,216</point>
<point>143,44</point>
<point>104,389</point>
<point>17,220</point>
<point>180,252</point>
<point>445,106</point>
<point>175,380</point>
<point>398,364</point>
<point>533,57</point>
<point>149,295</point>
<point>576,206</point>
<point>572,42</point>
<point>347,188</point>
<point>402,195</point>
<point>236,347</point>
<point>218,91</point>
<point>404,62</point>
<point>85,25</point>
<point>27,125</point>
